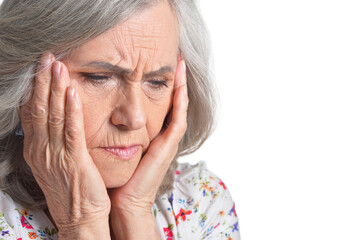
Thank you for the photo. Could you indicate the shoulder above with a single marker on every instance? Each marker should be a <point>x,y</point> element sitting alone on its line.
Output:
<point>16,221</point>
<point>204,196</point>
<point>199,181</point>
<point>8,208</point>
<point>9,216</point>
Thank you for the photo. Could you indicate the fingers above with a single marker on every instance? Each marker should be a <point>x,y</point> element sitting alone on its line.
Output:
<point>40,101</point>
<point>26,119</point>
<point>178,124</point>
<point>74,122</point>
<point>163,148</point>
<point>53,115</point>
<point>27,125</point>
<point>59,85</point>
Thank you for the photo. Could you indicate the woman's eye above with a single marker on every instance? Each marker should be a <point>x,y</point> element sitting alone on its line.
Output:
<point>158,84</point>
<point>96,77</point>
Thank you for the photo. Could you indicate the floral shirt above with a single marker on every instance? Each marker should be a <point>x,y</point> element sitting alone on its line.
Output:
<point>199,207</point>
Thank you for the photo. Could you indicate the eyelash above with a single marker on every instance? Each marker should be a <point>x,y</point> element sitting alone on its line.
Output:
<point>98,79</point>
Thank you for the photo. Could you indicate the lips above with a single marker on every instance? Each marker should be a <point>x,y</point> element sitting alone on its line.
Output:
<point>124,153</point>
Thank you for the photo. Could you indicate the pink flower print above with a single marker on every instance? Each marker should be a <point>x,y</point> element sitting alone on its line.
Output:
<point>177,172</point>
<point>168,233</point>
<point>222,184</point>
<point>183,213</point>
<point>25,223</point>
<point>233,210</point>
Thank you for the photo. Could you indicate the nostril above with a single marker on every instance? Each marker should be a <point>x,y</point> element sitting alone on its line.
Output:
<point>130,117</point>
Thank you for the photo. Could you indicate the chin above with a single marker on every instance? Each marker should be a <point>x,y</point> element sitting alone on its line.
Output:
<point>115,172</point>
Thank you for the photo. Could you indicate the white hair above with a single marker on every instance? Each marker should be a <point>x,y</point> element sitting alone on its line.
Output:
<point>28,29</point>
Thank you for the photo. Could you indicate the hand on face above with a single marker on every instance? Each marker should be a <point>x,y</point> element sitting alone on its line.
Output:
<point>65,137</point>
<point>139,193</point>
<point>56,151</point>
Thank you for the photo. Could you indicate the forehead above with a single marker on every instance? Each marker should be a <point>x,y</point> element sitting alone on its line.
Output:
<point>149,36</point>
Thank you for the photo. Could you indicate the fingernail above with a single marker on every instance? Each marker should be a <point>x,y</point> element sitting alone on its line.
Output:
<point>185,91</point>
<point>57,69</point>
<point>77,98</point>
<point>45,61</point>
<point>71,92</point>
<point>49,57</point>
<point>184,78</point>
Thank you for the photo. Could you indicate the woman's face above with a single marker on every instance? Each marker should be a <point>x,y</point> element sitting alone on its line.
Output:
<point>125,80</point>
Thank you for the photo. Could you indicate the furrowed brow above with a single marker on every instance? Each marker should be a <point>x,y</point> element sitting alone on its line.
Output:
<point>125,71</point>
<point>109,67</point>
<point>159,72</point>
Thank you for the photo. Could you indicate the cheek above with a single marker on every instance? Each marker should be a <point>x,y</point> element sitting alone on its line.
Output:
<point>157,115</point>
<point>93,118</point>
<point>94,111</point>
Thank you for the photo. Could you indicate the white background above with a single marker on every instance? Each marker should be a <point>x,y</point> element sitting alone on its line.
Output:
<point>288,144</point>
<point>288,140</point>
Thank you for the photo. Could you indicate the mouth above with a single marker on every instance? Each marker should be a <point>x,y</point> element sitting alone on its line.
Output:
<point>125,153</point>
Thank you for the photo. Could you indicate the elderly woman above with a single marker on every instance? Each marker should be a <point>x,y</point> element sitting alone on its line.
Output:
<point>98,100</point>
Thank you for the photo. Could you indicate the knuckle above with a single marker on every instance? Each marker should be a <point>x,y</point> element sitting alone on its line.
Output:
<point>39,110</point>
<point>57,89</point>
<point>72,132</point>
<point>56,121</point>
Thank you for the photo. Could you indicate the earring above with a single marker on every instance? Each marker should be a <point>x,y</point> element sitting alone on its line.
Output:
<point>19,131</point>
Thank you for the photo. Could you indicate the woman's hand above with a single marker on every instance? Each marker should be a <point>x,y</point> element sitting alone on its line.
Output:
<point>137,196</point>
<point>56,151</point>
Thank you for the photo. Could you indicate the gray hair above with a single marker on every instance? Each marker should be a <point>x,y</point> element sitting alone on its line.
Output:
<point>28,29</point>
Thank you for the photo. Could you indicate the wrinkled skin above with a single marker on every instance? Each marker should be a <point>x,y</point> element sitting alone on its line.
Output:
<point>79,108</point>
<point>130,111</point>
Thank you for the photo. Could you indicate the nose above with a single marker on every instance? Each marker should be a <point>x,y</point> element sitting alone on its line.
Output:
<point>131,112</point>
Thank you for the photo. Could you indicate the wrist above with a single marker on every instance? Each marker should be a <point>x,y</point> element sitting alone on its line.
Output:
<point>133,224</point>
<point>98,229</point>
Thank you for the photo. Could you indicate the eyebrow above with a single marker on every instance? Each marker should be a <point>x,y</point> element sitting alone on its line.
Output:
<point>126,71</point>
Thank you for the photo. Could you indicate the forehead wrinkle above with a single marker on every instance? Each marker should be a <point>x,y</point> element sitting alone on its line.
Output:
<point>139,42</point>
<point>124,71</point>
<point>144,35</point>
<point>140,66</point>
<point>146,30</point>
<point>117,42</point>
